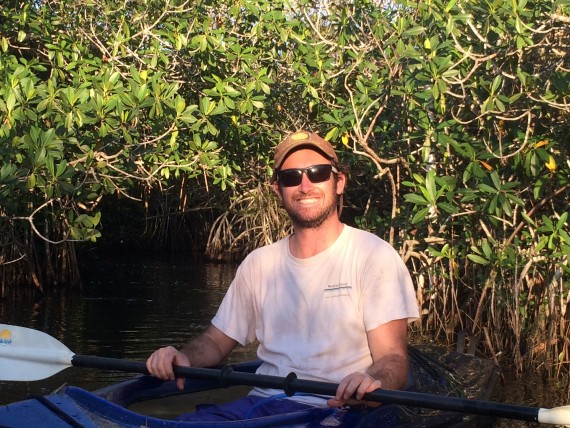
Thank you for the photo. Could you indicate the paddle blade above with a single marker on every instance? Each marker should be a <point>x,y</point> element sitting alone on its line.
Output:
<point>27,354</point>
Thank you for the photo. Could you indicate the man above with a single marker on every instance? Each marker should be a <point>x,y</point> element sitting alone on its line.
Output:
<point>329,302</point>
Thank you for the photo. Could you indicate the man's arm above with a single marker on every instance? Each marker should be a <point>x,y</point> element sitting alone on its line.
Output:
<point>388,345</point>
<point>208,349</point>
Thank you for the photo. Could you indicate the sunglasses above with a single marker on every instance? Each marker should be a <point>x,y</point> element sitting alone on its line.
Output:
<point>316,173</point>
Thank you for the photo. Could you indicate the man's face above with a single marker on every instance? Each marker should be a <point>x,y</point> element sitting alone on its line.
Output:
<point>309,204</point>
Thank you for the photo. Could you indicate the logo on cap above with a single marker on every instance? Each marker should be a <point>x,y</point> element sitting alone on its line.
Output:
<point>299,136</point>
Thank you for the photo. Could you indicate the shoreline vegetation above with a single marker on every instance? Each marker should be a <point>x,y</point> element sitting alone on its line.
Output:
<point>149,126</point>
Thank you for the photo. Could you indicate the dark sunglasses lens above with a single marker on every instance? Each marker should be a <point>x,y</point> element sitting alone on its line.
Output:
<point>290,177</point>
<point>293,177</point>
<point>319,173</point>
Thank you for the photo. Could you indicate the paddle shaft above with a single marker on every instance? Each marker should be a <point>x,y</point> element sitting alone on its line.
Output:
<point>290,384</point>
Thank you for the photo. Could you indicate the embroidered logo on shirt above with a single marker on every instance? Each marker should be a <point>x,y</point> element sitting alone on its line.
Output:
<point>339,290</point>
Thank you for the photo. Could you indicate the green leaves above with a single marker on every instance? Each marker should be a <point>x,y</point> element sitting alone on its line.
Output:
<point>414,31</point>
<point>78,131</point>
<point>84,227</point>
<point>437,195</point>
<point>501,196</point>
<point>482,255</point>
<point>555,238</point>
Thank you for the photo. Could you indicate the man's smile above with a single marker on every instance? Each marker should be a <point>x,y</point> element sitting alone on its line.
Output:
<point>307,201</point>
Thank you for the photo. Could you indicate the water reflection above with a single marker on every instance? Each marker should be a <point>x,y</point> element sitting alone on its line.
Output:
<point>129,307</point>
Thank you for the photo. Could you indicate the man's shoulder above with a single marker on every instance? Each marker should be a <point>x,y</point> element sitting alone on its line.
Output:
<point>266,251</point>
<point>360,236</point>
<point>362,242</point>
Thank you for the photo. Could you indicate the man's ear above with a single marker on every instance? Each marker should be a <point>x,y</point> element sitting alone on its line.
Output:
<point>340,183</point>
<point>277,191</point>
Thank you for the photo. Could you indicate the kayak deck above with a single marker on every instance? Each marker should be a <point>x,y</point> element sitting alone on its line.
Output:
<point>433,372</point>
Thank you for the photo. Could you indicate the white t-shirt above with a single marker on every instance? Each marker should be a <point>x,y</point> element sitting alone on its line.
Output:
<point>311,315</point>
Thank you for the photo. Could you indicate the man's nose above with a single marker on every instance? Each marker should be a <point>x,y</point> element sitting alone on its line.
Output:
<point>306,184</point>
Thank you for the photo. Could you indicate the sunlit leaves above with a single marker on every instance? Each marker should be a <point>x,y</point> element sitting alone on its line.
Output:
<point>113,102</point>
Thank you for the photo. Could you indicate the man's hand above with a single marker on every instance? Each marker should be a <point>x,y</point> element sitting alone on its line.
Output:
<point>389,349</point>
<point>206,350</point>
<point>355,383</point>
<point>160,364</point>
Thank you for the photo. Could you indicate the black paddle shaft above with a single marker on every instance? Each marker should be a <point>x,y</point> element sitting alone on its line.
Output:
<point>290,385</point>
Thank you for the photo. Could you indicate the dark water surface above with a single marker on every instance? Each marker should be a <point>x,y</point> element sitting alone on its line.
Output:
<point>131,306</point>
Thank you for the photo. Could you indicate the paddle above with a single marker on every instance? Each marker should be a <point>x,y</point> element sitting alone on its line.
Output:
<point>27,354</point>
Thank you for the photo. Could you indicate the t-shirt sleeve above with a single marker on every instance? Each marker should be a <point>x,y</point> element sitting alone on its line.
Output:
<point>388,289</point>
<point>236,315</point>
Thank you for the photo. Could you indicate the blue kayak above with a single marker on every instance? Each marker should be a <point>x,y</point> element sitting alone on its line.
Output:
<point>432,371</point>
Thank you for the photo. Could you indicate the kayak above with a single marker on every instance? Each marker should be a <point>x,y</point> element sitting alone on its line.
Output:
<point>142,400</point>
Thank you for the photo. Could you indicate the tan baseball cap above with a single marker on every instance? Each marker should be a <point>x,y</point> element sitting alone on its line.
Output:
<point>302,139</point>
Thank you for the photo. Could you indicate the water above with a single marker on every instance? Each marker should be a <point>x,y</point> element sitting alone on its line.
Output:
<point>129,307</point>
